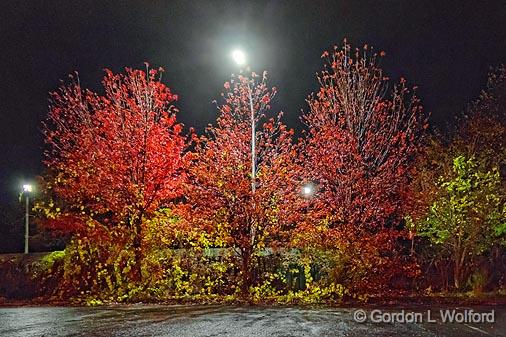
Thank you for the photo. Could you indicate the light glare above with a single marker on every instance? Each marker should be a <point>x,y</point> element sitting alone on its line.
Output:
<point>27,188</point>
<point>239,57</point>
<point>307,190</point>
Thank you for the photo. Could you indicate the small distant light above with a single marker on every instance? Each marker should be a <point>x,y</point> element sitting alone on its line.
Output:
<point>27,188</point>
<point>239,57</point>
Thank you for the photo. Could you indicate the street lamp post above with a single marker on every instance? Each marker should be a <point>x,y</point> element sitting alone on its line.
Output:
<point>253,141</point>
<point>27,189</point>
<point>240,58</point>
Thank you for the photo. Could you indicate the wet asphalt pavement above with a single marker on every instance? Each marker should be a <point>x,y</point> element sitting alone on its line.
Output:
<point>200,321</point>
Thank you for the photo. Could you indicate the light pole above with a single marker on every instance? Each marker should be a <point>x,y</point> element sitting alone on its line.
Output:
<point>27,189</point>
<point>253,141</point>
<point>240,58</point>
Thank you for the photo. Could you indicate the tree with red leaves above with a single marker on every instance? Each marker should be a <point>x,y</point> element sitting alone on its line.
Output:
<point>226,201</point>
<point>114,158</point>
<point>361,140</point>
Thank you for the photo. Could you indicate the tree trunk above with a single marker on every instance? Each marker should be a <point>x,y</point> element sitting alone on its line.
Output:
<point>246,271</point>
<point>137,271</point>
<point>458,268</point>
<point>457,274</point>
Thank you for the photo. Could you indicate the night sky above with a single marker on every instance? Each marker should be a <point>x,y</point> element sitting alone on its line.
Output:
<point>445,49</point>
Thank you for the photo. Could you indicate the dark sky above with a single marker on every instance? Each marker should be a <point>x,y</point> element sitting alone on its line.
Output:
<point>445,48</point>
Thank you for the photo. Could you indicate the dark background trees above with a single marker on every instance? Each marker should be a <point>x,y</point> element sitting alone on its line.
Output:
<point>460,195</point>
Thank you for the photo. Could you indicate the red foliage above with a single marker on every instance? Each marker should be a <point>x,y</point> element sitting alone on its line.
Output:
<point>358,151</point>
<point>222,199</point>
<point>118,156</point>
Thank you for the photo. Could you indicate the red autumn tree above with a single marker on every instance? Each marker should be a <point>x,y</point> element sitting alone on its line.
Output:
<point>115,157</point>
<point>362,137</point>
<point>236,209</point>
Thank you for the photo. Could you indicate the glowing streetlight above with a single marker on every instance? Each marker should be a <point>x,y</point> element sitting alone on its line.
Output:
<point>27,189</point>
<point>308,190</point>
<point>239,57</point>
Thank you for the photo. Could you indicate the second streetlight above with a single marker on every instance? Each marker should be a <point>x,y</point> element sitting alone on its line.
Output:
<point>27,189</point>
